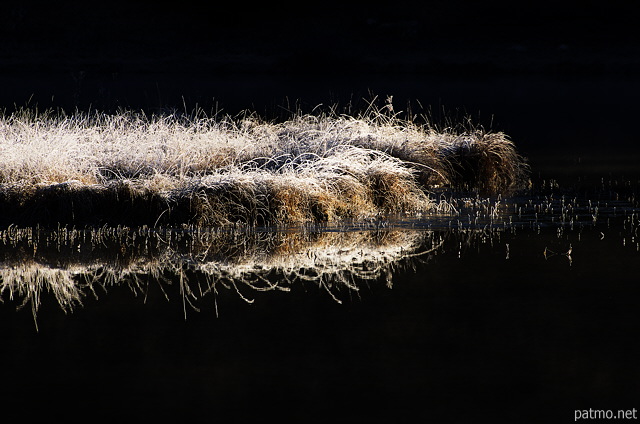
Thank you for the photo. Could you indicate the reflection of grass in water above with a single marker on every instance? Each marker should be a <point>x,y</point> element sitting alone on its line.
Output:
<point>71,264</point>
<point>130,168</point>
<point>29,281</point>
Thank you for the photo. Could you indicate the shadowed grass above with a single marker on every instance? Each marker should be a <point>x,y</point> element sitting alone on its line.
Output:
<point>133,169</point>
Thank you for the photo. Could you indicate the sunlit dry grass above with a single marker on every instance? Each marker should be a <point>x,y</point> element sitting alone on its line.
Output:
<point>227,170</point>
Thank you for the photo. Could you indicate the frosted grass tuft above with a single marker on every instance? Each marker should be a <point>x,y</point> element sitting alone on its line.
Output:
<point>224,170</point>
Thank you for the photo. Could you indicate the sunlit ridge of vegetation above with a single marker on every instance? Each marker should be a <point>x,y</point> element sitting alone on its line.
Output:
<point>194,169</point>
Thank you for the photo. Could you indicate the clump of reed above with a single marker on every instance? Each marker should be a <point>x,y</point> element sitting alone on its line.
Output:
<point>130,168</point>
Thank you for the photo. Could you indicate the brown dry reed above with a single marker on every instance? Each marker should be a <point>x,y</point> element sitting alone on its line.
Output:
<point>133,169</point>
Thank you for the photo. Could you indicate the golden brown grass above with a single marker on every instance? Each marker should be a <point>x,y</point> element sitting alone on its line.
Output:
<point>127,168</point>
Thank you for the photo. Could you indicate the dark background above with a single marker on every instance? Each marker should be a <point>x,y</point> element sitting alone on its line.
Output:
<point>337,38</point>
<point>151,55</point>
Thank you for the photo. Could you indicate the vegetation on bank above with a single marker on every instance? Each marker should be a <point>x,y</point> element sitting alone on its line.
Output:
<point>132,169</point>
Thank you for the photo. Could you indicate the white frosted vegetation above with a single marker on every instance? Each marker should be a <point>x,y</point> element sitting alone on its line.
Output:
<point>310,167</point>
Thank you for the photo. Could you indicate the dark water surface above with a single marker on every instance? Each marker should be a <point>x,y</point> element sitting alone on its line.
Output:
<point>520,313</point>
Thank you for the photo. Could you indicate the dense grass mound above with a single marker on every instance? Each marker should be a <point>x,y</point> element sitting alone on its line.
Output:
<point>129,168</point>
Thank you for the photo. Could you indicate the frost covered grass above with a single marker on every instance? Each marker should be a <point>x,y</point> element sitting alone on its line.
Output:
<point>130,168</point>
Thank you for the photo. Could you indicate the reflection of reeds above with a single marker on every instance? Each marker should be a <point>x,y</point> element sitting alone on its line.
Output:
<point>132,169</point>
<point>29,281</point>
<point>70,263</point>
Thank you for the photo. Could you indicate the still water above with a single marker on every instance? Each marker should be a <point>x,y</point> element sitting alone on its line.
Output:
<point>518,309</point>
